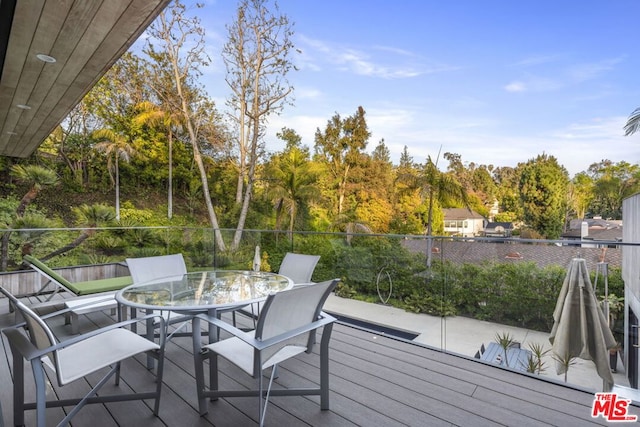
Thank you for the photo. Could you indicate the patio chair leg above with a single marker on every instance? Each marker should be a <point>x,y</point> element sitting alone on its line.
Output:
<point>324,367</point>
<point>263,412</point>
<point>41,392</point>
<point>18,389</point>
<point>117,372</point>
<point>261,405</point>
<point>159,374</point>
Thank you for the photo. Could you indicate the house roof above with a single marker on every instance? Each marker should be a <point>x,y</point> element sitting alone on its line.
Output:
<point>542,255</point>
<point>460,213</point>
<point>84,38</point>
<point>495,225</point>
<point>598,229</point>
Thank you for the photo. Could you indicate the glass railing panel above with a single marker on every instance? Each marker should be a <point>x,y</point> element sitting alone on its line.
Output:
<point>505,293</point>
<point>453,294</point>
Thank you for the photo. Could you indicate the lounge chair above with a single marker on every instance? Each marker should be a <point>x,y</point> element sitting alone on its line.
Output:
<point>92,295</point>
<point>89,287</point>
<point>286,328</point>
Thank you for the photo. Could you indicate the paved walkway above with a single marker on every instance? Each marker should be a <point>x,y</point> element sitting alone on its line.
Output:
<point>465,336</point>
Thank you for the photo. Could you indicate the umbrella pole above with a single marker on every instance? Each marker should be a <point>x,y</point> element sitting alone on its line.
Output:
<point>603,268</point>
<point>605,276</point>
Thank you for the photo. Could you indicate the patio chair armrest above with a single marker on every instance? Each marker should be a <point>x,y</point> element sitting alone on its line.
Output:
<point>243,335</point>
<point>322,321</point>
<point>29,351</point>
<point>20,343</point>
<point>87,304</point>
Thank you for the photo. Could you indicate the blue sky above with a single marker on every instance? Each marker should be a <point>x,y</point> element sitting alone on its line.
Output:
<point>496,81</point>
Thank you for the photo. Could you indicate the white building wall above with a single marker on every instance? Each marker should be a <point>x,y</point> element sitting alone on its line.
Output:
<point>631,262</point>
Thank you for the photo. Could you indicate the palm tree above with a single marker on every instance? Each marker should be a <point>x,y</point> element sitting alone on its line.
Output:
<point>294,179</point>
<point>442,187</point>
<point>633,123</point>
<point>32,226</point>
<point>154,115</point>
<point>37,177</point>
<point>115,146</point>
<point>88,218</point>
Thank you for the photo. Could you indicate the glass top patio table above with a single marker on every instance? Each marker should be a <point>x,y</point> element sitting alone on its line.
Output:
<point>200,292</point>
<point>204,292</point>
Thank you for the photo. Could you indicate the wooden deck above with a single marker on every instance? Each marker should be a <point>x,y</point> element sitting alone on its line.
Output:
<point>375,381</point>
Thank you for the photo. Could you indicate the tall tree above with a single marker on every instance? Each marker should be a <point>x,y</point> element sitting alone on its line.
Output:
<point>340,147</point>
<point>375,194</point>
<point>507,180</point>
<point>71,141</point>
<point>257,57</point>
<point>292,179</point>
<point>612,182</point>
<point>168,120</point>
<point>581,194</point>
<point>178,62</point>
<point>407,200</point>
<point>113,99</point>
<point>543,189</point>
<point>440,189</point>
<point>115,147</point>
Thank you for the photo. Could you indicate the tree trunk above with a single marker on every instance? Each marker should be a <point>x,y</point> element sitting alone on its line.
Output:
<point>117,189</point>
<point>247,193</point>
<point>170,191</point>
<point>197,156</point>
<point>5,249</point>
<point>84,236</point>
<point>429,227</point>
<point>292,219</point>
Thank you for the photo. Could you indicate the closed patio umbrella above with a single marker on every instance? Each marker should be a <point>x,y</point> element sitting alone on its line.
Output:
<point>580,328</point>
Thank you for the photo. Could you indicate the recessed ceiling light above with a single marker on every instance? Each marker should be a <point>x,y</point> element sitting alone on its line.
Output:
<point>23,106</point>
<point>45,58</point>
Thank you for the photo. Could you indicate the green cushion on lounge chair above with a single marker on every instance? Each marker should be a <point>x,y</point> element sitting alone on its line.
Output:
<point>53,275</point>
<point>79,288</point>
<point>101,285</point>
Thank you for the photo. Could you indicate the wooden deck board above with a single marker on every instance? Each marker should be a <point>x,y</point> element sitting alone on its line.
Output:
<point>375,380</point>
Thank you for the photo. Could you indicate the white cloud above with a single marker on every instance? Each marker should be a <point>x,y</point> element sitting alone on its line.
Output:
<point>533,83</point>
<point>534,60</point>
<point>307,93</point>
<point>588,71</point>
<point>365,63</point>
<point>515,86</point>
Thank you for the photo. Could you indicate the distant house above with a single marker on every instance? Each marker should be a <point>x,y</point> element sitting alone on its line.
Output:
<point>463,222</point>
<point>498,229</point>
<point>596,230</point>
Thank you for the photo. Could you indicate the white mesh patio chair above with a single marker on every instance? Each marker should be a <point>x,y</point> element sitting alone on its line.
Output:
<point>147,269</point>
<point>297,267</point>
<point>74,359</point>
<point>159,268</point>
<point>286,327</point>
